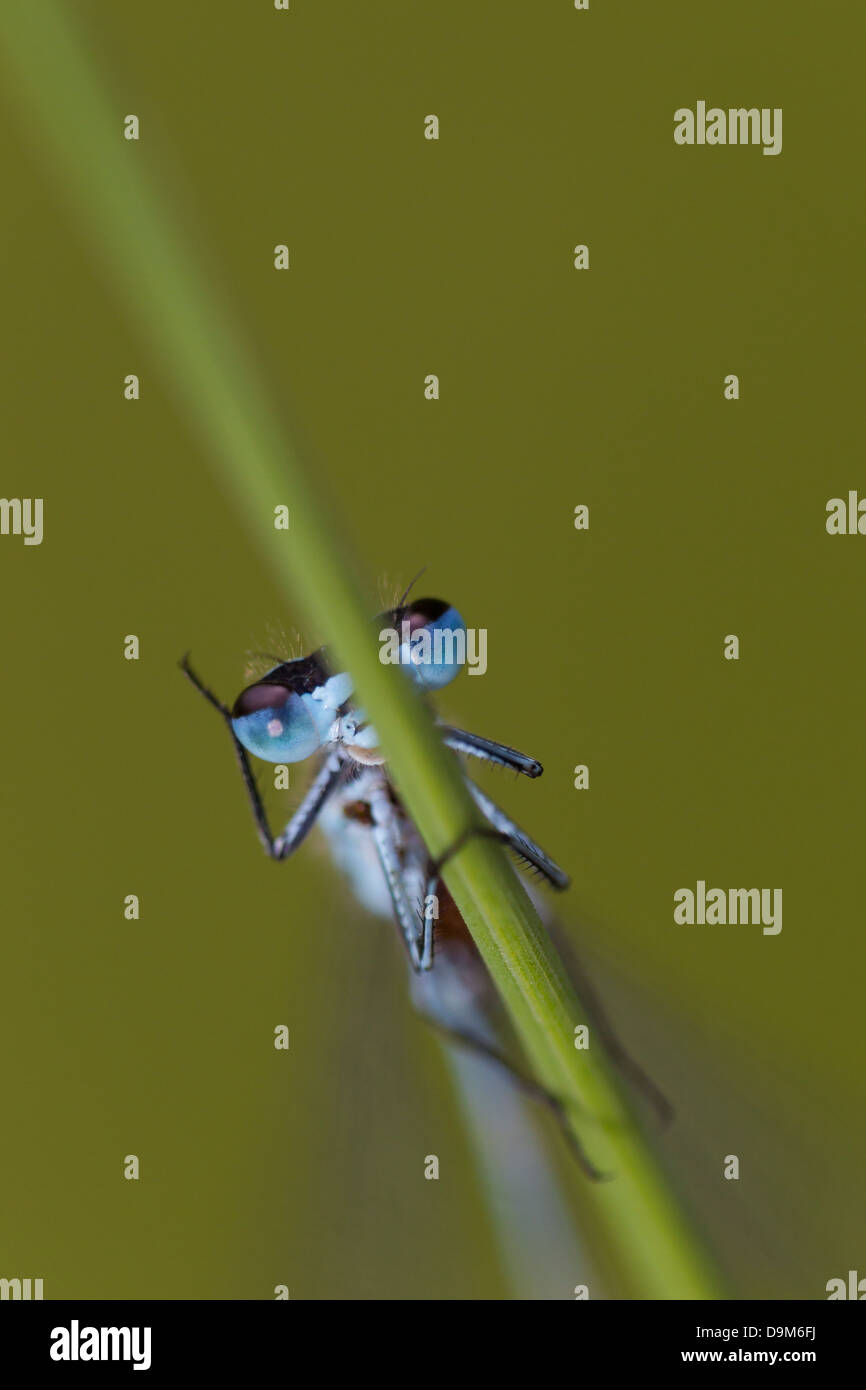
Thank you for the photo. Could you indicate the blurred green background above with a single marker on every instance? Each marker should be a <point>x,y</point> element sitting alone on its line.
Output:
<point>707,517</point>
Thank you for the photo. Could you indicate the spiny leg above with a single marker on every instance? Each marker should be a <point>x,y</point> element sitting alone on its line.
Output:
<point>477,747</point>
<point>386,839</point>
<point>500,827</point>
<point>586,991</point>
<point>325,781</point>
<point>532,1088</point>
<point>323,784</point>
<point>602,1025</point>
<point>504,830</point>
<point>434,878</point>
<point>430,912</point>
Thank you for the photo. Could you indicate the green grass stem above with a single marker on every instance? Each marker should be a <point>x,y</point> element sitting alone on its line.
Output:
<point>157,277</point>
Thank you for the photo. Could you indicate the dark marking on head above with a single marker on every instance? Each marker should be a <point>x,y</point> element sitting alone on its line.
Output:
<point>299,677</point>
<point>417,614</point>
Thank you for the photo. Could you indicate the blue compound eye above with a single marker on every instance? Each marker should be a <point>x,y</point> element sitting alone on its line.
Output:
<point>276,724</point>
<point>289,714</point>
<point>432,642</point>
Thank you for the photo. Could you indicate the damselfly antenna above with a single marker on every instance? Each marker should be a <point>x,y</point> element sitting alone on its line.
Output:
<point>409,587</point>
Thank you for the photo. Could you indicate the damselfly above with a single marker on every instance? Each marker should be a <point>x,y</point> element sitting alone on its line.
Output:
<point>303,709</point>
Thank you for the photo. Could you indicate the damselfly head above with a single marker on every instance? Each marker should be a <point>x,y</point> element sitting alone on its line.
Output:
<point>297,707</point>
<point>289,713</point>
<point>426,637</point>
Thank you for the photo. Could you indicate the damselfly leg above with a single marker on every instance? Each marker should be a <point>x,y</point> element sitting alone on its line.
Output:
<point>477,747</point>
<point>533,1089</point>
<point>631,1070</point>
<point>402,870</point>
<point>525,849</point>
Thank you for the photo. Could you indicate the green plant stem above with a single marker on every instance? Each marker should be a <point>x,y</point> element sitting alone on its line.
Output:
<point>155,273</point>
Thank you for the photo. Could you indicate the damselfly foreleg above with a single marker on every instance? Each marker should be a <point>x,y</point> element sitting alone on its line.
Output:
<point>477,747</point>
<point>386,829</point>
